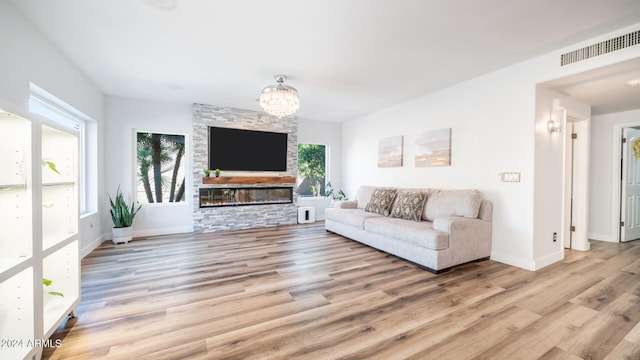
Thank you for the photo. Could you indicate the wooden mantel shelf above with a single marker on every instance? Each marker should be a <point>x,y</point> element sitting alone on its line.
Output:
<point>249,180</point>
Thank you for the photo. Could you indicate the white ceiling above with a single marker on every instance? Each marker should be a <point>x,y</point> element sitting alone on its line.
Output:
<point>347,58</point>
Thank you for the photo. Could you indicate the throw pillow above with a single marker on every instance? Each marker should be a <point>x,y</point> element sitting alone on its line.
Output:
<point>409,205</point>
<point>381,201</point>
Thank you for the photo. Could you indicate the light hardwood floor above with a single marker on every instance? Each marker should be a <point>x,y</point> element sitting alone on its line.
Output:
<point>297,292</point>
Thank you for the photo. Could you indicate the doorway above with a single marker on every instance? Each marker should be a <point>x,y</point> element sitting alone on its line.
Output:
<point>629,198</point>
<point>603,89</point>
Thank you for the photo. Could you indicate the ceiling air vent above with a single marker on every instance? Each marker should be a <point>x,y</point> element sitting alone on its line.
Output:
<point>607,46</point>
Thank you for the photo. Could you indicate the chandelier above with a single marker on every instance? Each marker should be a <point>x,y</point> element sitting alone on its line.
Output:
<point>279,99</point>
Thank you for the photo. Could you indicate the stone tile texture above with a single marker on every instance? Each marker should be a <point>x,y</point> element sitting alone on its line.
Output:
<point>248,216</point>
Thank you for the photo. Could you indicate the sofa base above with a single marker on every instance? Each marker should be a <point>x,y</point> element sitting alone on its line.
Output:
<point>433,271</point>
<point>421,266</point>
<point>449,268</point>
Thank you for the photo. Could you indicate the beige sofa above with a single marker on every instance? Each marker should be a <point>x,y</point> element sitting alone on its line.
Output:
<point>436,229</point>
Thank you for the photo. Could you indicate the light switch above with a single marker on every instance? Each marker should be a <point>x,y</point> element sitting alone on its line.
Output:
<point>510,177</point>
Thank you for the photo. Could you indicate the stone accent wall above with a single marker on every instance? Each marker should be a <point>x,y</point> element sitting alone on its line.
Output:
<point>248,216</point>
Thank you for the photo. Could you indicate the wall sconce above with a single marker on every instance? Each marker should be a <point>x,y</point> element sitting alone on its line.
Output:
<point>553,126</point>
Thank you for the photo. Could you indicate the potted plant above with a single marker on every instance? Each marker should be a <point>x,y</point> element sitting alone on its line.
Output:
<point>122,215</point>
<point>217,172</point>
<point>335,196</point>
<point>207,172</point>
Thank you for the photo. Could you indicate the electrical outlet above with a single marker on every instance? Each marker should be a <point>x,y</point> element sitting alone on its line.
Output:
<point>555,237</point>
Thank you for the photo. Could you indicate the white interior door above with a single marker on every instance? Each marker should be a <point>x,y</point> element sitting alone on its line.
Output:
<point>630,184</point>
<point>575,235</point>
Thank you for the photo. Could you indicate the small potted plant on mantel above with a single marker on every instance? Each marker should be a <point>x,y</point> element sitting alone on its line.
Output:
<point>207,172</point>
<point>122,215</point>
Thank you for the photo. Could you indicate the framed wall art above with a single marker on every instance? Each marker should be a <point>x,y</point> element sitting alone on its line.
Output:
<point>434,148</point>
<point>390,152</point>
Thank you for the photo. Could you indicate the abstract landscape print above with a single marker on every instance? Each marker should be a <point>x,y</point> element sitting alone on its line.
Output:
<point>390,152</point>
<point>434,148</point>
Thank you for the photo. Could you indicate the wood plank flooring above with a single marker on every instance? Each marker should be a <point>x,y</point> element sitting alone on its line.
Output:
<point>298,292</point>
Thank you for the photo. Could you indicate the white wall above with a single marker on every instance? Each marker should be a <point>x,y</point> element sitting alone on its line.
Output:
<point>495,128</point>
<point>548,180</point>
<point>122,118</point>
<point>603,168</point>
<point>27,57</point>
<point>550,176</point>
<point>489,135</point>
<point>327,133</point>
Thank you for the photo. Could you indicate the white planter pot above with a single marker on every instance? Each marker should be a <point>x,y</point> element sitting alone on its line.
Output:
<point>121,235</point>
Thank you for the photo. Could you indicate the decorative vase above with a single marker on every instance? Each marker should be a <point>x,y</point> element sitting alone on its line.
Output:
<point>121,235</point>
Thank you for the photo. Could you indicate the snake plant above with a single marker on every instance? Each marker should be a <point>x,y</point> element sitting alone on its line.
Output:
<point>121,213</point>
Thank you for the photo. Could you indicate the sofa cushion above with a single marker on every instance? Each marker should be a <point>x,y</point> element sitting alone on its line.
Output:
<point>446,203</point>
<point>352,217</point>
<point>381,201</point>
<point>345,204</point>
<point>419,233</point>
<point>409,205</point>
<point>363,195</point>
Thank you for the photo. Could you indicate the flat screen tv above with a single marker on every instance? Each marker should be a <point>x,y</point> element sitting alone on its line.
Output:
<point>247,150</point>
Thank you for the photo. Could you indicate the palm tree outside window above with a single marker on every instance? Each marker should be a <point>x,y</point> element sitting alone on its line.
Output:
<point>160,167</point>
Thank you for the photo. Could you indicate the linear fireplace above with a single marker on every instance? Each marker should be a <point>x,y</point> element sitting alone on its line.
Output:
<point>237,196</point>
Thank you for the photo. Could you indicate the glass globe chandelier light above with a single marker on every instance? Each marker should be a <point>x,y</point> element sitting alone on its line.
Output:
<point>279,99</point>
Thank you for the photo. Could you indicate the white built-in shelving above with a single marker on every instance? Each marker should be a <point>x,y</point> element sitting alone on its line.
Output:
<point>39,239</point>
<point>15,192</point>
<point>59,189</point>
<point>17,325</point>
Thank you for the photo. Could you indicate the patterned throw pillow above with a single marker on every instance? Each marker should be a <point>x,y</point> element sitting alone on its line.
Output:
<point>409,205</point>
<point>381,201</point>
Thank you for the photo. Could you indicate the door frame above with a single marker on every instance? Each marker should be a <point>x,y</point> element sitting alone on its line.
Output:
<point>578,208</point>
<point>616,188</point>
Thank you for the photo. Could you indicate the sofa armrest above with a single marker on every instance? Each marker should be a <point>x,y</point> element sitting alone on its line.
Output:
<point>345,204</point>
<point>469,239</point>
<point>445,224</point>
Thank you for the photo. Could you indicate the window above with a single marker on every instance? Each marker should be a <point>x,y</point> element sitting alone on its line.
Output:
<point>46,105</point>
<point>160,168</point>
<point>312,164</point>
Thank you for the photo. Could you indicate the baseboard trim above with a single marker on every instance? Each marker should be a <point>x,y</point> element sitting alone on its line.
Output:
<point>162,231</point>
<point>92,245</point>
<point>513,261</point>
<point>601,237</point>
<point>154,232</point>
<point>548,259</point>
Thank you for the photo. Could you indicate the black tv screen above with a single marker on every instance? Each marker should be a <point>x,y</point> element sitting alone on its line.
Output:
<point>247,150</point>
